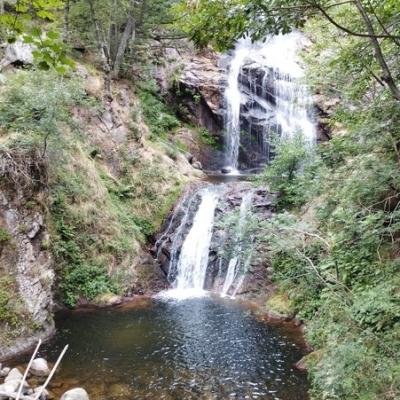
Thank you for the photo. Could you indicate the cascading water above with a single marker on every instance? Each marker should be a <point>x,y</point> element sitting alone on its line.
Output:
<point>192,264</point>
<point>265,96</point>
<point>239,259</point>
<point>233,95</point>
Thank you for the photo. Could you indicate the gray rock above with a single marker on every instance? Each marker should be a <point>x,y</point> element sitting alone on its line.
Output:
<point>75,394</point>
<point>4,372</point>
<point>18,51</point>
<point>226,170</point>
<point>40,367</point>
<point>14,374</point>
<point>197,165</point>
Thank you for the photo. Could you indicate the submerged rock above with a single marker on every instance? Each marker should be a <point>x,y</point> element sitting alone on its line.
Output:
<point>40,367</point>
<point>75,394</point>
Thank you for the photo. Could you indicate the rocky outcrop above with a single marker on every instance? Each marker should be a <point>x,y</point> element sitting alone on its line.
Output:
<point>17,53</point>
<point>324,110</point>
<point>195,81</point>
<point>26,259</point>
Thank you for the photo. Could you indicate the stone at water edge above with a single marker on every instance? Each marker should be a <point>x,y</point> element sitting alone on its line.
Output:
<point>4,372</point>
<point>75,394</point>
<point>40,367</point>
<point>14,374</point>
<point>227,170</point>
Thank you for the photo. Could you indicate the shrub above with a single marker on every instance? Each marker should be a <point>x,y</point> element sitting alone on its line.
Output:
<point>86,281</point>
<point>157,115</point>
<point>4,236</point>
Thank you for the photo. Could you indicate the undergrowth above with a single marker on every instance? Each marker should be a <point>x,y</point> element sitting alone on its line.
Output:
<point>97,219</point>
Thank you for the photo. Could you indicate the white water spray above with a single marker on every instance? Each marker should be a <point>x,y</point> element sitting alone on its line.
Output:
<point>235,263</point>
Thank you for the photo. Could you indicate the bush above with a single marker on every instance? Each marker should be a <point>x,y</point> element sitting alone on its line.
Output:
<point>86,281</point>
<point>4,236</point>
<point>157,115</point>
<point>9,308</point>
<point>291,170</point>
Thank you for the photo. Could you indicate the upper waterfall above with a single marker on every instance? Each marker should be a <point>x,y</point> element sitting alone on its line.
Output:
<point>265,95</point>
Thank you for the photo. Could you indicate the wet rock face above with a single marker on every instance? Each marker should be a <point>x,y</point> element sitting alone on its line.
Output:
<point>169,243</point>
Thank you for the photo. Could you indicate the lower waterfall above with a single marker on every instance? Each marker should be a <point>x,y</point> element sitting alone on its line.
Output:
<point>193,260</point>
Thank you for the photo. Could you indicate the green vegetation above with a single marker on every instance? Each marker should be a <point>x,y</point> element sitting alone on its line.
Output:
<point>207,138</point>
<point>4,236</point>
<point>337,256</point>
<point>157,115</point>
<point>12,316</point>
<point>97,219</point>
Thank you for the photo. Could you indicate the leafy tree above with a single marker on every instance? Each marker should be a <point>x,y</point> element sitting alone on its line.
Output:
<point>29,19</point>
<point>115,27</point>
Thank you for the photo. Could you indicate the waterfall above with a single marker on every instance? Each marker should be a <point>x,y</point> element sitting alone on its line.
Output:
<point>237,260</point>
<point>192,263</point>
<point>265,95</point>
<point>233,98</point>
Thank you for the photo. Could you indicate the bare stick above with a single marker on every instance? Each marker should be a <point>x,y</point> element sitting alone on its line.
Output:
<point>27,369</point>
<point>39,393</point>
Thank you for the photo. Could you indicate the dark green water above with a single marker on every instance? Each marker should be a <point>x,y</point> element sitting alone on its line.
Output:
<point>193,349</point>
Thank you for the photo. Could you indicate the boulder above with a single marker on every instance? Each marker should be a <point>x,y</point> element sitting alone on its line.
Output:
<point>4,372</point>
<point>197,165</point>
<point>107,300</point>
<point>18,52</point>
<point>227,170</point>
<point>10,387</point>
<point>75,394</point>
<point>40,367</point>
<point>14,374</point>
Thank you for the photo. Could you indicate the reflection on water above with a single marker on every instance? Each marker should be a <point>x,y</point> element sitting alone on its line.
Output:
<point>194,349</point>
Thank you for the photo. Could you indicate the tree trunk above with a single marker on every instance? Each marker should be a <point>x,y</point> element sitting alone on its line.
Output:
<point>104,53</point>
<point>66,21</point>
<point>123,44</point>
<point>387,76</point>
